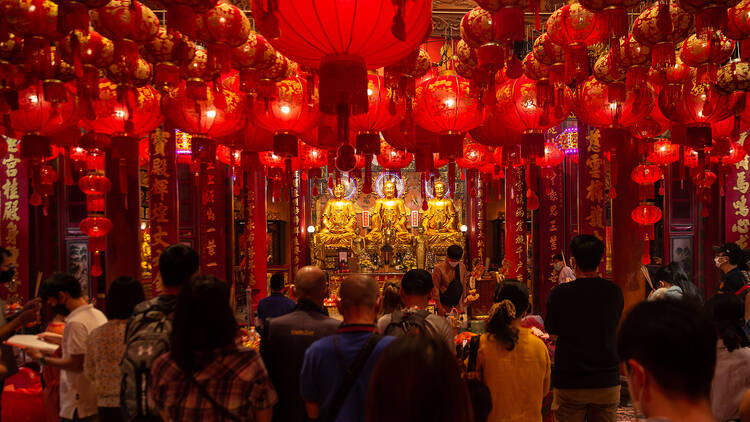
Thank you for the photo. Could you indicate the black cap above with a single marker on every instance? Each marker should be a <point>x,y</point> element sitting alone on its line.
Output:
<point>732,251</point>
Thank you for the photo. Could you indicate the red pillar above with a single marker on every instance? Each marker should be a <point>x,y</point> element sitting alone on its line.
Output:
<point>515,224</point>
<point>626,241</point>
<point>123,257</point>
<point>163,204</point>
<point>255,227</point>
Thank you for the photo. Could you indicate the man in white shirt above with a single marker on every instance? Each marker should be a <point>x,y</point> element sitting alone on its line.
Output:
<point>77,394</point>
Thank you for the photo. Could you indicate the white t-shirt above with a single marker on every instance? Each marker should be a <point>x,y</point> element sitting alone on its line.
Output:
<point>731,380</point>
<point>76,391</point>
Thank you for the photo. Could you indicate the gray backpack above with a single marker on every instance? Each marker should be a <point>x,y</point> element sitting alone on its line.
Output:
<point>403,323</point>
<point>146,338</point>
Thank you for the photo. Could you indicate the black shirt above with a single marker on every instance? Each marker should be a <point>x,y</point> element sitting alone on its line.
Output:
<point>732,281</point>
<point>584,315</point>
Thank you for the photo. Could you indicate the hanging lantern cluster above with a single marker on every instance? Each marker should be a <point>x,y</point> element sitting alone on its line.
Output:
<point>96,225</point>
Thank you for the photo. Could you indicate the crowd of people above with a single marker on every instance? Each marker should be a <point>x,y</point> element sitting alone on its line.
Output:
<point>394,356</point>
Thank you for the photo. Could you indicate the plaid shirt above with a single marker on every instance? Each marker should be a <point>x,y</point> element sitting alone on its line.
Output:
<point>236,378</point>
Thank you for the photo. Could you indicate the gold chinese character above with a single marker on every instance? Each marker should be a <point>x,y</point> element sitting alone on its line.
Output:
<point>160,187</point>
<point>10,211</point>
<point>159,142</point>
<point>159,213</point>
<point>596,218</point>
<point>744,163</point>
<point>158,242</point>
<point>10,189</point>
<point>742,226</point>
<point>210,215</point>
<point>740,206</point>
<point>159,167</point>
<point>211,247</point>
<point>742,242</point>
<point>553,242</point>
<point>593,138</point>
<point>742,183</point>
<point>595,191</point>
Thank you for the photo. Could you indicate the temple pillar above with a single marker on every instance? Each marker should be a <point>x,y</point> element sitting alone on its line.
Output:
<point>162,201</point>
<point>515,224</point>
<point>123,254</point>
<point>626,240</point>
<point>255,266</point>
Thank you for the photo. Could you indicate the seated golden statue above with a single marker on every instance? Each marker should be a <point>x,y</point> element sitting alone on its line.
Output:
<point>439,221</point>
<point>389,220</point>
<point>338,223</point>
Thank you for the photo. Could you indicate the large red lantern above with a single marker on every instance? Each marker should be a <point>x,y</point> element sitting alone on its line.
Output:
<point>650,126</point>
<point>221,27</point>
<point>708,14</point>
<point>552,55</point>
<point>288,115</point>
<point>574,28</point>
<point>446,105</point>
<point>595,107</point>
<point>393,159</point>
<point>37,118</point>
<point>734,76</point>
<point>222,114</point>
<point>383,112</point>
<point>645,175</point>
<point>89,53</point>
<point>664,153</point>
<point>128,23</point>
<point>168,52</point>
<point>699,105</point>
<point>494,132</point>
<point>706,51</point>
<point>253,56</point>
<point>112,117</point>
<point>475,156</point>
<point>520,108</point>
<point>661,27</point>
<point>635,58</point>
<point>615,13</point>
<point>342,39</point>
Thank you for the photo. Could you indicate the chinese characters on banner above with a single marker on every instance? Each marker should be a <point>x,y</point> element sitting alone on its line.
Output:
<point>15,220</point>
<point>551,233</point>
<point>212,232</point>
<point>299,239</point>
<point>163,205</point>
<point>592,191</point>
<point>515,223</point>
<point>737,211</point>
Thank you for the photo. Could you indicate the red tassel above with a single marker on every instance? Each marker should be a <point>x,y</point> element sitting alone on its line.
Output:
<point>646,257</point>
<point>423,182</point>
<point>96,265</point>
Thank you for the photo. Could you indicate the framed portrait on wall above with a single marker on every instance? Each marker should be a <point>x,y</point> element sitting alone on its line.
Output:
<point>682,252</point>
<point>78,262</point>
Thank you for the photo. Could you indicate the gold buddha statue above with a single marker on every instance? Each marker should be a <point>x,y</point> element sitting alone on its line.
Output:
<point>439,221</point>
<point>338,223</point>
<point>389,220</point>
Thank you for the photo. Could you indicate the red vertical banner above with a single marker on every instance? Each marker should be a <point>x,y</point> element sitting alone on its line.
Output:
<point>254,264</point>
<point>551,231</point>
<point>737,226</point>
<point>163,206</point>
<point>212,237</point>
<point>479,225</point>
<point>298,229</point>
<point>15,220</point>
<point>515,224</point>
<point>592,192</point>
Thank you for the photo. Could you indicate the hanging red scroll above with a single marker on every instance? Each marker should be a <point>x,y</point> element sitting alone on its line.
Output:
<point>737,206</point>
<point>212,237</point>
<point>515,224</point>
<point>299,228</point>
<point>14,224</point>
<point>163,206</point>
<point>254,264</point>
<point>592,184</point>
<point>551,233</point>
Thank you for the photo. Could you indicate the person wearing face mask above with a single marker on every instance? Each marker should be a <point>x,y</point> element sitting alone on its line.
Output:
<point>62,292</point>
<point>564,273</point>
<point>662,387</point>
<point>449,278</point>
<point>728,260</point>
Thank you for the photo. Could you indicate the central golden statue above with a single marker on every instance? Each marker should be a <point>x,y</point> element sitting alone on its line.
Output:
<point>389,220</point>
<point>439,221</point>
<point>338,223</point>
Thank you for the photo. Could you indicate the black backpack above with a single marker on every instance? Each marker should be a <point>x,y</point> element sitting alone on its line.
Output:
<point>146,338</point>
<point>403,323</point>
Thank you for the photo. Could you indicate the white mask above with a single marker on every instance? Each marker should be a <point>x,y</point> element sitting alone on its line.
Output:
<point>453,263</point>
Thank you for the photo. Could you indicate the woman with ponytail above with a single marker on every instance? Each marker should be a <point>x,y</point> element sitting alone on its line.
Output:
<point>732,374</point>
<point>511,361</point>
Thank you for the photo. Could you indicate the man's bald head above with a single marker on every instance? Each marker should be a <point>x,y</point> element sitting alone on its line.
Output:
<point>358,291</point>
<point>311,283</point>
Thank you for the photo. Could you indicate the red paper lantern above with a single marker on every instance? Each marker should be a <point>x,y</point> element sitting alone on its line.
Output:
<point>222,114</point>
<point>393,159</point>
<point>650,126</point>
<point>574,28</point>
<point>37,119</point>
<point>221,27</point>
<point>111,117</point>
<point>552,55</point>
<point>252,138</point>
<point>664,153</point>
<point>475,156</point>
<point>168,52</point>
<point>481,30</point>
<point>733,155</point>
<point>690,158</point>
<point>595,106</point>
<point>645,175</point>
<point>74,14</point>
<point>383,112</point>
<point>733,76</point>
<point>494,132</point>
<point>520,108</point>
<point>342,39</point>
<point>128,23</point>
<point>708,14</point>
<point>310,157</point>
<point>699,105</point>
<point>96,226</point>
<point>706,51</point>
<point>635,58</point>
<point>738,23</point>
<point>270,159</point>
<point>253,56</point>
<point>646,215</point>
<point>615,12</point>
<point>88,53</point>
<point>508,15</point>
<point>445,104</point>
<point>553,156</point>
<point>704,179</point>
<point>288,115</point>
<point>661,27</point>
